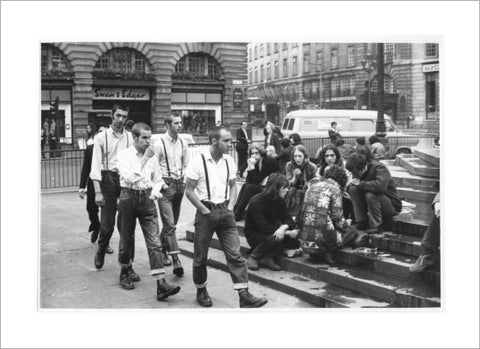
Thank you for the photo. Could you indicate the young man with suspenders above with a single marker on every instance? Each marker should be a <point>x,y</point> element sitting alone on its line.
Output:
<point>171,152</point>
<point>104,175</point>
<point>212,189</point>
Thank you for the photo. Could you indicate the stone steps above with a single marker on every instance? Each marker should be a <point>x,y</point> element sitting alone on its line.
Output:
<point>417,166</point>
<point>403,178</point>
<point>410,194</point>
<point>360,279</point>
<point>431,156</point>
<point>315,292</point>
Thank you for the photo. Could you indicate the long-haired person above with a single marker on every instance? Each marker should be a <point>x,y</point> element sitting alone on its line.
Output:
<point>271,137</point>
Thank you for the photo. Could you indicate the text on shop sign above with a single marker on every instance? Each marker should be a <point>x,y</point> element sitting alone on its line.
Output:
<point>121,94</point>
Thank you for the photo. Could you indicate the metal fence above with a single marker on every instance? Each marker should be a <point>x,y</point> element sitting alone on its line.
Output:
<point>62,168</point>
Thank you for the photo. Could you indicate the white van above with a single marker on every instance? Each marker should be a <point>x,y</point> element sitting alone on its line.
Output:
<point>351,125</point>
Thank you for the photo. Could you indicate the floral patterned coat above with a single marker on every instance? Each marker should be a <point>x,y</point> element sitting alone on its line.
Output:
<point>323,223</point>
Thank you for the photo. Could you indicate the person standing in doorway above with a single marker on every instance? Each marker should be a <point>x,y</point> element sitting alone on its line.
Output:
<point>211,188</point>
<point>172,155</point>
<point>104,174</point>
<point>242,148</point>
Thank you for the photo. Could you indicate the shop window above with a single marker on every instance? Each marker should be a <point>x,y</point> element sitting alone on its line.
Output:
<point>432,50</point>
<point>306,63</point>
<point>334,54</point>
<point>53,61</point>
<point>197,65</point>
<point>431,93</point>
<point>351,56</point>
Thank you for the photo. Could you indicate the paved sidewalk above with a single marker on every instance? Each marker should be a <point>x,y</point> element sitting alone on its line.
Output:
<point>68,278</point>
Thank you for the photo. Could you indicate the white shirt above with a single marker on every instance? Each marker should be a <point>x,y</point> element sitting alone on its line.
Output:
<point>177,156</point>
<point>217,176</point>
<point>246,134</point>
<point>133,176</point>
<point>106,146</point>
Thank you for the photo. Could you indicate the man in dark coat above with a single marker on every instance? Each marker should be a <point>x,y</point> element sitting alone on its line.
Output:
<point>242,148</point>
<point>372,191</point>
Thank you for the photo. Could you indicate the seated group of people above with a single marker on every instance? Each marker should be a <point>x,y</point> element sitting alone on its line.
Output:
<point>302,207</point>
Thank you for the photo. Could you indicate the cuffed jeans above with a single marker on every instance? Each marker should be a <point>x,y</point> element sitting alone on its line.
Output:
<point>135,204</point>
<point>370,205</point>
<point>431,237</point>
<point>221,221</point>
<point>110,186</point>
<point>169,206</point>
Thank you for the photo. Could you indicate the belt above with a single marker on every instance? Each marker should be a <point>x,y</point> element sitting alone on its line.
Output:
<point>170,179</point>
<point>211,205</point>
<point>110,172</point>
<point>146,191</point>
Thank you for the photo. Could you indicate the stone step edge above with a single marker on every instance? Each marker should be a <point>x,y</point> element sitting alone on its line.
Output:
<point>317,293</point>
<point>391,294</point>
<point>423,171</point>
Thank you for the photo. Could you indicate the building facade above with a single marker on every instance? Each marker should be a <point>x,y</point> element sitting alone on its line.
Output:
<point>289,76</point>
<point>205,82</point>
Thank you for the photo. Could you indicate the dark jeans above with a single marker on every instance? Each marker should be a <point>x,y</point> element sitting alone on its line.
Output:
<point>169,206</point>
<point>92,207</point>
<point>431,237</point>
<point>221,221</point>
<point>242,161</point>
<point>246,193</point>
<point>135,204</point>
<point>110,186</point>
<point>378,206</point>
<point>269,247</point>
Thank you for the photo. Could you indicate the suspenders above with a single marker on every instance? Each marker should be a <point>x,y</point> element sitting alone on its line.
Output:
<point>166,157</point>
<point>208,181</point>
<point>106,145</point>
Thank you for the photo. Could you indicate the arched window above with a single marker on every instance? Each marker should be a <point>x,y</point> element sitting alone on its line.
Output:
<point>53,61</point>
<point>123,63</point>
<point>197,65</point>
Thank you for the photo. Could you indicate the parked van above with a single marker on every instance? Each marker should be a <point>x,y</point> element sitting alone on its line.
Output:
<point>351,124</point>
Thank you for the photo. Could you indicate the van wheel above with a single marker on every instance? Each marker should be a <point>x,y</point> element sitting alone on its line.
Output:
<point>403,151</point>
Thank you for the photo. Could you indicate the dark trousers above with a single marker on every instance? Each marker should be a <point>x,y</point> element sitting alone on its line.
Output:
<point>246,193</point>
<point>92,207</point>
<point>110,186</point>
<point>221,221</point>
<point>169,206</point>
<point>242,161</point>
<point>431,237</point>
<point>269,247</point>
<point>135,204</point>
<point>371,206</point>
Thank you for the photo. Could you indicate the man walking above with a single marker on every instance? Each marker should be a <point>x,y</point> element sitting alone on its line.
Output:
<point>212,189</point>
<point>141,182</point>
<point>242,148</point>
<point>172,156</point>
<point>104,175</point>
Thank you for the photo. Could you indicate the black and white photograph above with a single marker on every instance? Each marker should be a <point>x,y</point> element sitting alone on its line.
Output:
<point>280,178</point>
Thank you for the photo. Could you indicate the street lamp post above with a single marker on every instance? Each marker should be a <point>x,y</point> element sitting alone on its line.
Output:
<point>369,65</point>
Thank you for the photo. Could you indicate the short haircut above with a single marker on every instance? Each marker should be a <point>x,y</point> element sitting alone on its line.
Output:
<point>275,182</point>
<point>301,148</point>
<point>333,123</point>
<point>361,140</point>
<point>373,139</point>
<point>355,163</point>
<point>138,127</point>
<point>261,150</point>
<point>129,124</point>
<point>119,106</point>
<point>169,117</point>
<point>336,173</point>
<point>285,142</point>
<point>216,132</point>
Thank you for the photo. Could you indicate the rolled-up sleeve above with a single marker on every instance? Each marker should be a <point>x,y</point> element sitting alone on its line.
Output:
<point>157,179</point>
<point>96,169</point>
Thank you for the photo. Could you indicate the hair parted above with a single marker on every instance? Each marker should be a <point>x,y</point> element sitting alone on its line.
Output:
<point>121,107</point>
<point>138,127</point>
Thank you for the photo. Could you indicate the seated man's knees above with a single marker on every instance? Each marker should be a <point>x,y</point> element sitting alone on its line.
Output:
<point>370,196</point>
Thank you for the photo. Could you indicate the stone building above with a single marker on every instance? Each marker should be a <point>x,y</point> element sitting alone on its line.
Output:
<point>289,76</point>
<point>206,82</point>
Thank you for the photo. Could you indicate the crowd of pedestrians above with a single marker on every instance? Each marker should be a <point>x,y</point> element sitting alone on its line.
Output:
<point>291,205</point>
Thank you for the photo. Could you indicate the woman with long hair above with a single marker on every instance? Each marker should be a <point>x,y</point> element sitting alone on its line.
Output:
<point>269,229</point>
<point>271,138</point>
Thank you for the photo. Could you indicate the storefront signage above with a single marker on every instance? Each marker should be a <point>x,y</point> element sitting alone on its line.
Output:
<point>430,68</point>
<point>121,93</point>
<point>237,98</point>
<point>340,99</point>
<point>237,82</point>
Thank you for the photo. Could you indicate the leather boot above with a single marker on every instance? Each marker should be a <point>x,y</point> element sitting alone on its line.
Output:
<point>247,300</point>
<point>164,289</point>
<point>203,298</point>
<point>166,259</point>
<point>125,281</point>
<point>252,263</point>
<point>268,262</point>
<point>177,266</point>
<point>133,276</point>
<point>99,259</point>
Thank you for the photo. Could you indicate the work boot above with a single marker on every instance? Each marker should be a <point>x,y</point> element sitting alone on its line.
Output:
<point>329,258</point>
<point>99,259</point>
<point>164,289</point>
<point>125,281</point>
<point>177,266</point>
<point>252,263</point>
<point>268,262</point>
<point>248,300</point>
<point>422,263</point>
<point>133,276</point>
<point>203,297</point>
<point>166,259</point>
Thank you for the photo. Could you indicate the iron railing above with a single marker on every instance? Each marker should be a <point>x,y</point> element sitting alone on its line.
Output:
<point>62,168</point>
